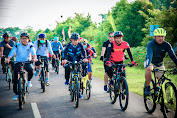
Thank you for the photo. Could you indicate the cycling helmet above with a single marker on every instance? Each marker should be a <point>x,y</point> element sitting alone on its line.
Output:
<point>6,35</point>
<point>159,32</point>
<point>84,41</point>
<point>118,33</point>
<point>42,35</point>
<point>75,36</point>
<point>24,34</point>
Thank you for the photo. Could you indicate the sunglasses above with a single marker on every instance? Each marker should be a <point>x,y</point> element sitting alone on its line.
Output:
<point>111,36</point>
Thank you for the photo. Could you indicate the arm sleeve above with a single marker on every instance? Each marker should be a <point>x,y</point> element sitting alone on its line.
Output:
<point>61,47</point>
<point>33,51</point>
<point>83,52</point>
<point>130,54</point>
<point>149,55</point>
<point>49,47</point>
<point>12,52</point>
<point>171,53</point>
<point>109,49</point>
<point>65,56</point>
<point>35,45</point>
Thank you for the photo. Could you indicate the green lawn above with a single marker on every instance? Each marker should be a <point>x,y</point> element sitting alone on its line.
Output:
<point>135,76</point>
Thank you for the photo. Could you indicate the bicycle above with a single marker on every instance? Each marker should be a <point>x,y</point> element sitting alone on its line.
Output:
<point>42,75</point>
<point>74,83</point>
<point>86,85</point>
<point>119,86</point>
<point>8,74</point>
<point>22,84</point>
<point>162,92</point>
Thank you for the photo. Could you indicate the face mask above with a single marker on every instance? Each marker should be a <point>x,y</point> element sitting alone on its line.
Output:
<point>85,46</point>
<point>42,41</point>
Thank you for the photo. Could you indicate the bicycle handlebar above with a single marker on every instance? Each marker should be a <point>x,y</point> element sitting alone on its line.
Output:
<point>170,71</point>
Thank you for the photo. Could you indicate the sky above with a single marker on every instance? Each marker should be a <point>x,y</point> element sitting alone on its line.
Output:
<point>42,14</point>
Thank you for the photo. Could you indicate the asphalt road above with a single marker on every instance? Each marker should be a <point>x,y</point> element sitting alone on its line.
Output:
<point>56,103</point>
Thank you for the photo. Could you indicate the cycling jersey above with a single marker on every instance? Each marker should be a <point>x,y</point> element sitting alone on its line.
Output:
<point>105,44</point>
<point>23,53</point>
<point>42,50</point>
<point>115,52</point>
<point>156,52</point>
<point>56,46</point>
<point>6,49</point>
<point>74,53</point>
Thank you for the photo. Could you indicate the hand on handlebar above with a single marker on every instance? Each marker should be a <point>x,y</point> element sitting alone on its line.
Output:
<point>64,62</point>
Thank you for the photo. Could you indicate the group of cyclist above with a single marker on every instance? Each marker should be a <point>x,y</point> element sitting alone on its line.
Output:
<point>113,51</point>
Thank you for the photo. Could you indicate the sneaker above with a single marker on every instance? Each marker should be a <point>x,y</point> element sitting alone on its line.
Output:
<point>80,96</point>
<point>66,82</point>
<point>53,68</point>
<point>29,84</point>
<point>105,87</point>
<point>37,71</point>
<point>47,82</point>
<point>147,91</point>
<point>15,98</point>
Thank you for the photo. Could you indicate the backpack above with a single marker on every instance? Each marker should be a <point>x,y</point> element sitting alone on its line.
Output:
<point>38,43</point>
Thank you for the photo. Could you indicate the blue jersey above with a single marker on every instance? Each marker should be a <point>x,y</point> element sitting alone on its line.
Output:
<point>74,53</point>
<point>23,53</point>
<point>56,46</point>
<point>42,50</point>
<point>156,52</point>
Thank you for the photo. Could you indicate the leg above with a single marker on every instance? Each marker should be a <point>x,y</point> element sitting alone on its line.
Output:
<point>148,75</point>
<point>16,69</point>
<point>29,69</point>
<point>67,74</point>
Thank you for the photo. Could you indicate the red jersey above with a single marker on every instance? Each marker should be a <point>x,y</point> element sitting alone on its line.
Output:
<point>118,51</point>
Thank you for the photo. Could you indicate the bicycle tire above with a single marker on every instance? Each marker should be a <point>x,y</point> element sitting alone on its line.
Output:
<point>113,91</point>
<point>71,86</point>
<point>169,108</point>
<point>43,80</point>
<point>76,92</point>
<point>88,89</point>
<point>124,93</point>
<point>150,100</point>
<point>58,66</point>
<point>20,93</point>
<point>82,88</point>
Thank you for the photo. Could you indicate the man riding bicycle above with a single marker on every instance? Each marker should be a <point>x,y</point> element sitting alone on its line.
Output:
<point>56,47</point>
<point>6,47</point>
<point>23,51</point>
<point>156,50</point>
<point>43,47</point>
<point>74,51</point>
<point>115,53</point>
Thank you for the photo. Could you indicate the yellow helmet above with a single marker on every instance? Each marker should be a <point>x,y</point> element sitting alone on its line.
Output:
<point>159,32</point>
<point>84,41</point>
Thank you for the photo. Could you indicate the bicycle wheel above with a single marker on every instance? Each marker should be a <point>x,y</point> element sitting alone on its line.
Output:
<point>149,101</point>
<point>124,94</point>
<point>88,89</point>
<point>169,101</point>
<point>20,93</point>
<point>76,92</point>
<point>58,66</point>
<point>71,86</point>
<point>43,80</point>
<point>113,91</point>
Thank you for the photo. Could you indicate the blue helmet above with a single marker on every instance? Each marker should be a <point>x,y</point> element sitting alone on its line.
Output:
<point>118,33</point>
<point>56,38</point>
<point>75,36</point>
<point>42,35</point>
<point>24,34</point>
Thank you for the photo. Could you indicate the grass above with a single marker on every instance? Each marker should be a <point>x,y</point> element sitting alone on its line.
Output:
<point>135,76</point>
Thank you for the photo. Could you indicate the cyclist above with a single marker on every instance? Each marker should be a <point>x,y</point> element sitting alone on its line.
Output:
<point>15,39</point>
<point>6,46</point>
<point>43,47</point>
<point>74,51</point>
<point>115,53</point>
<point>156,50</point>
<point>103,56</point>
<point>23,52</point>
<point>89,53</point>
<point>56,47</point>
